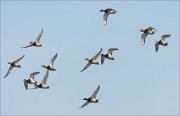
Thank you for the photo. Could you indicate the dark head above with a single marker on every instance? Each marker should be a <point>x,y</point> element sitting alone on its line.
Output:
<point>85,99</point>
<point>113,58</point>
<point>40,45</point>
<point>165,44</point>
<point>141,30</point>
<point>19,66</point>
<point>30,42</point>
<point>48,87</point>
<point>87,59</point>
<point>97,101</point>
<point>9,63</point>
<point>102,10</point>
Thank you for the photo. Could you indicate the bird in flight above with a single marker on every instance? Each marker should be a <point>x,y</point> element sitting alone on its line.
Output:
<point>108,55</point>
<point>35,43</point>
<point>146,32</point>
<point>50,66</point>
<point>31,80</point>
<point>92,60</point>
<point>106,14</point>
<point>162,42</point>
<point>91,99</point>
<point>13,64</point>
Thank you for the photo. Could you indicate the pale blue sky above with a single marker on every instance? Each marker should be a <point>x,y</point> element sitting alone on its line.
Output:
<point>138,82</point>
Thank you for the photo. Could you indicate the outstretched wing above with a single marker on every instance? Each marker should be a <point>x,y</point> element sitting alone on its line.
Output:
<point>95,57</point>
<point>95,92</point>
<point>85,104</point>
<point>156,46</point>
<point>105,16</point>
<point>53,59</point>
<point>45,77</point>
<point>87,65</point>
<point>39,36</point>
<point>26,85</point>
<point>19,59</point>
<point>27,46</point>
<point>33,74</point>
<point>143,38</point>
<point>102,59</point>
<point>163,37</point>
<point>111,50</point>
<point>9,70</point>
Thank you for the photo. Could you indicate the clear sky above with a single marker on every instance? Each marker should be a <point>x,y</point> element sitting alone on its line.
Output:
<point>138,82</point>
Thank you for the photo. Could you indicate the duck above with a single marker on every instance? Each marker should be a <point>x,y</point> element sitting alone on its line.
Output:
<point>14,64</point>
<point>35,43</point>
<point>162,42</point>
<point>43,84</point>
<point>108,55</point>
<point>91,99</point>
<point>92,60</point>
<point>146,32</point>
<point>31,80</point>
<point>50,66</point>
<point>106,13</point>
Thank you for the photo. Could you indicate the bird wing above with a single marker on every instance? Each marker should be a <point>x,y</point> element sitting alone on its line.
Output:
<point>143,38</point>
<point>33,74</point>
<point>9,70</point>
<point>156,46</point>
<point>45,77</point>
<point>111,50</point>
<point>53,58</point>
<point>102,59</point>
<point>165,36</point>
<point>87,65</point>
<point>95,57</point>
<point>27,46</point>
<point>95,92</point>
<point>19,59</point>
<point>26,85</point>
<point>105,16</point>
<point>39,35</point>
<point>85,104</point>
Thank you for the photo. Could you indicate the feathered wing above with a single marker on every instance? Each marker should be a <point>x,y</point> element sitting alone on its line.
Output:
<point>156,46</point>
<point>9,71</point>
<point>85,104</point>
<point>27,46</point>
<point>163,37</point>
<point>105,16</point>
<point>87,65</point>
<point>53,59</point>
<point>143,38</point>
<point>26,85</point>
<point>95,57</point>
<point>39,35</point>
<point>45,77</point>
<point>33,74</point>
<point>111,50</point>
<point>19,59</point>
<point>95,92</point>
<point>102,59</point>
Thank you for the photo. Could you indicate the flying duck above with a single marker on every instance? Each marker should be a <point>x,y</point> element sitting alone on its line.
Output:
<point>43,84</point>
<point>162,41</point>
<point>50,66</point>
<point>91,99</point>
<point>35,43</point>
<point>13,64</point>
<point>146,32</point>
<point>92,60</point>
<point>108,55</point>
<point>106,13</point>
<point>31,80</point>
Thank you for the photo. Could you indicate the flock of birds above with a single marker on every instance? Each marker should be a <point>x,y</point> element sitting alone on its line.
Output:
<point>50,67</point>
